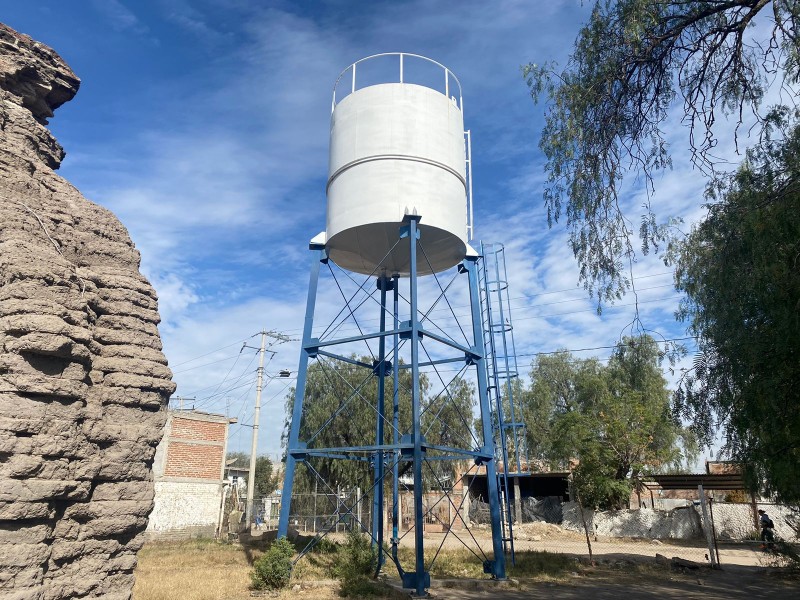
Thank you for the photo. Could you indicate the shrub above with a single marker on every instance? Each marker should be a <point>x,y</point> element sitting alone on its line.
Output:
<point>325,546</point>
<point>355,565</point>
<point>273,569</point>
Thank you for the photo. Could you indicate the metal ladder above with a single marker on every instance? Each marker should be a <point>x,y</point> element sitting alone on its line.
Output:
<point>501,366</point>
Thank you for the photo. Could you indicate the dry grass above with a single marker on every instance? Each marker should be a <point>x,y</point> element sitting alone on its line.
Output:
<point>207,570</point>
<point>194,570</point>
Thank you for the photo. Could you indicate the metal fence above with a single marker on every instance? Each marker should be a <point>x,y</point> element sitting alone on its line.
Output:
<point>702,531</point>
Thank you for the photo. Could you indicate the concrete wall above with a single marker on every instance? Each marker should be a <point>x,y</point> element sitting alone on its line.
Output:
<point>680,523</point>
<point>735,521</point>
<point>185,509</point>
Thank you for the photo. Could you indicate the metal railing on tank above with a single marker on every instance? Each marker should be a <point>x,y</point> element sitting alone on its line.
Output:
<point>405,74</point>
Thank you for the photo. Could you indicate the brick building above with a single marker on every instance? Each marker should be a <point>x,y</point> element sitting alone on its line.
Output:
<point>188,471</point>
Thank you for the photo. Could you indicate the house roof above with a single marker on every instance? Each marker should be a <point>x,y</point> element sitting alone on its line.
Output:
<point>726,481</point>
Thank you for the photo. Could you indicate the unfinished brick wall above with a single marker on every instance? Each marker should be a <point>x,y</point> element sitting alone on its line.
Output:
<point>188,473</point>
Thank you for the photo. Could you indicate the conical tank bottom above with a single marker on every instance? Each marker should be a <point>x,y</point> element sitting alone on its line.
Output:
<point>374,248</point>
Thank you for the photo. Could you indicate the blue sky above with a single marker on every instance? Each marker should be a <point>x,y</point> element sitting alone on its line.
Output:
<point>203,124</point>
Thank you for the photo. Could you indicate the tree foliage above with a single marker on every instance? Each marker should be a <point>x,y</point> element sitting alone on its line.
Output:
<point>340,410</point>
<point>265,476</point>
<point>614,420</point>
<point>740,270</point>
<point>608,107</point>
<point>273,569</point>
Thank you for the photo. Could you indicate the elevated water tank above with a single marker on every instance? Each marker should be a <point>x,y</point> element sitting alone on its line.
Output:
<point>397,148</point>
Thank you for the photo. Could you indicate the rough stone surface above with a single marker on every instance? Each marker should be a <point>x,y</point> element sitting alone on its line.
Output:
<point>680,523</point>
<point>83,382</point>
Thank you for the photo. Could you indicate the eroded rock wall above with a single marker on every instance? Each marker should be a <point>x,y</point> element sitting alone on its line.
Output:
<point>83,381</point>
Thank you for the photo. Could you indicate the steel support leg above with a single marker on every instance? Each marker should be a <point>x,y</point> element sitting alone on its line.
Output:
<point>396,421</point>
<point>297,412</point>
<point>422,578</point>
<point>498,566</point>
<point>378,474</point>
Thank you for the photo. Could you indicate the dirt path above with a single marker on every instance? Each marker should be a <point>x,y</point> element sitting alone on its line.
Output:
<point>732,583</point>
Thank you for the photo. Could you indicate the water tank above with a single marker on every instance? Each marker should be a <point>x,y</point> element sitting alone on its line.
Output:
<point>396,148</point>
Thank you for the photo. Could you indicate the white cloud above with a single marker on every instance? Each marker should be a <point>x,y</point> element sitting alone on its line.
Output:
<point>120,16</point>
<point>222,183</point>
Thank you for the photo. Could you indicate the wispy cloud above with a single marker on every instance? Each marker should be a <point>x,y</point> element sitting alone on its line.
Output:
<point>222,182</point>
<point>120,16</point>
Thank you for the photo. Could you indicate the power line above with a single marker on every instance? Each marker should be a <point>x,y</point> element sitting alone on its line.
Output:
<point>212,351</point>
<point>236,356</point>
<point>603,347</point>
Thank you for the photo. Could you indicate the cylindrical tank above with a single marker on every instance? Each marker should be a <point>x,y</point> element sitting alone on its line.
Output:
<point>397,148</point>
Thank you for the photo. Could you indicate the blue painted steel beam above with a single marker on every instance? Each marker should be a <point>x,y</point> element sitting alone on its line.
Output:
<point>378,472</point>
<point>345,359</point>
<point>498,565</point>
<point>300,390</point>
<point>420,576</point>
<point>444,361</point>
<point>396,426</point>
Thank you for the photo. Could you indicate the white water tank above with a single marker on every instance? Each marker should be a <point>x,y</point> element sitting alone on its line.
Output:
<point>397,148</point>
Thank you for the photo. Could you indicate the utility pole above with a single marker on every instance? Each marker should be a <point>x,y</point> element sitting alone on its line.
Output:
<point>180,400</point>
<point>251,481</point>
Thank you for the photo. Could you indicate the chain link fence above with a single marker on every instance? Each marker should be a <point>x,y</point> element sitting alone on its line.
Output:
<point>548,524</point>
<point>701,532</point>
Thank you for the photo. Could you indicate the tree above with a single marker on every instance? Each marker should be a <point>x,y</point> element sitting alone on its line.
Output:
<point>740,270</point>
<point>608,107</point>
<point>265,476</point>
<point>447,421</point>
<point>560,386</point>
<point>339,410</point>
<point>240,460</point>
<point>615,420</point>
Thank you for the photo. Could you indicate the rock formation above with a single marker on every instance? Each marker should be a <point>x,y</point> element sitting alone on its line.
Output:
<point>83,381</point>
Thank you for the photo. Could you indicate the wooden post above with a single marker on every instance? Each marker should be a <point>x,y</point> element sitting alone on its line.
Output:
<point>707,528</point>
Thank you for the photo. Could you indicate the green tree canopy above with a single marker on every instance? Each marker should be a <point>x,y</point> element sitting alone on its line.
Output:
<point>265,476</point>
<point>608,107</point>
<point>740,270</point>
<point>615,420</point>
<point>340,410</point>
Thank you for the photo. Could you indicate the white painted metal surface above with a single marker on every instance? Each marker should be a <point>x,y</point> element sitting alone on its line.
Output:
<point>397,148</point>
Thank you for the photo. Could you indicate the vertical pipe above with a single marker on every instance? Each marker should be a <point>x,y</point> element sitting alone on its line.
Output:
<point>470,226</point>
<point>419,524</point>
<point>401,67</point>
<point>299,394</point>
<point>353,87</point>
<point>499,563</point>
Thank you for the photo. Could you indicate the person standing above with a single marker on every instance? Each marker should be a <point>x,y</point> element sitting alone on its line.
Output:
<point>767,530</point>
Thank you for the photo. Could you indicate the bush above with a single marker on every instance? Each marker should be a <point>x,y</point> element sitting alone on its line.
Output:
<point>325,546</point>
<point>273,569</point>
<point>355,564</point>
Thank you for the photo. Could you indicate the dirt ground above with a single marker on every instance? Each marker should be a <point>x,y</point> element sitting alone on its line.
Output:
<point>625,568</point>
<point>210,571</point>
<point>730,583</point>
<point>552,538</point>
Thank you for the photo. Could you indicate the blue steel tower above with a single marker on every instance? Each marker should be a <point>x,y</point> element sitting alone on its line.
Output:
<point>382,327</point>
